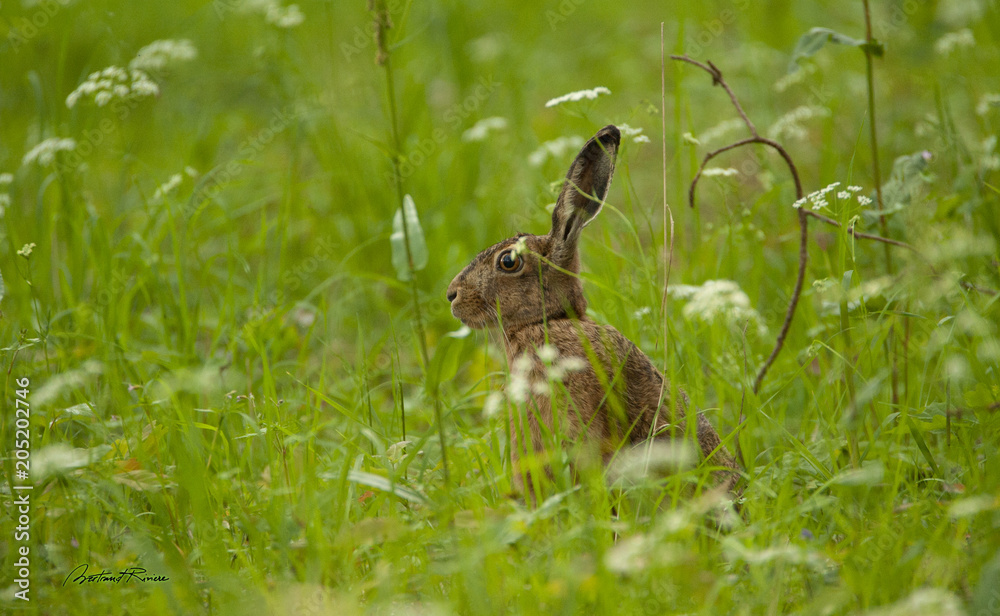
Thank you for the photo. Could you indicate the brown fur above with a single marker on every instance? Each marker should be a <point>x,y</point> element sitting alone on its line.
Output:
<point>613,400</point>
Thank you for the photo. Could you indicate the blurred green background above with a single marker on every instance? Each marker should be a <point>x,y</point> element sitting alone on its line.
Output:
<point>200,287</point>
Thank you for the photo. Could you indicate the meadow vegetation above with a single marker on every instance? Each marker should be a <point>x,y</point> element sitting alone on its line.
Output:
<point>244,374</point>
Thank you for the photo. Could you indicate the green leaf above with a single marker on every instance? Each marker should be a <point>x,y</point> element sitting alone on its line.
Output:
<point>814,40</point>
<point>868,475</point>
<point>418,247</point>
<point>61,459</point>
<point>379,482</point>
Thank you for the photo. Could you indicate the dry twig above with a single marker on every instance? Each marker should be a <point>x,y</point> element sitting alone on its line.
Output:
<point>793,303</point>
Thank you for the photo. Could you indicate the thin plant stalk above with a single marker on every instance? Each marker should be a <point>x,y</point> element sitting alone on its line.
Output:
<point>383,59</point>
<point>381,15</point>
<point>877,177</point>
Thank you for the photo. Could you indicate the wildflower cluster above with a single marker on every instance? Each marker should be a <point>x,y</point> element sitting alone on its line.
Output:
<point>520,247</point>
<point>817,199</point>
<point>481,129</point>
<point>790,123</point>
<point>274,12</point>
<point>528,378</point>
<point>954,40</point>
<point>170,186</point>
<point>720,130</point>
<point>719,171</point>
<point>117,83</point>
<point>717,300</point>
<point>634,133</point>
<point>557,148</point>
<point>793,78</point>
<point>112,83</point>
<point>579,95</point>
<point>45,152</point>
<point>159,54</point>
<point>25,250</point>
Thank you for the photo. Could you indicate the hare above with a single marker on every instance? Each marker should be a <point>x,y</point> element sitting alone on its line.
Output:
<point>527,287</point>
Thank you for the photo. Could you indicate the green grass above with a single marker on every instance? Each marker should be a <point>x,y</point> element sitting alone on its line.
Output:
<point>219,375</point>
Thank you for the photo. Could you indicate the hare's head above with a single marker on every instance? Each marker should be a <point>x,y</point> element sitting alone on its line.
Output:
<point>529,278</point>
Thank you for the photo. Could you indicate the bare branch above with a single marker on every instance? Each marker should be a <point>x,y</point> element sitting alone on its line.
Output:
<point>860,235</point>
<point>717,80</point>
<point>793,303</point>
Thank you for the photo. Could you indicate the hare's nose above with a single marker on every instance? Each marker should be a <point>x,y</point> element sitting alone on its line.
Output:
<point>452,295</point>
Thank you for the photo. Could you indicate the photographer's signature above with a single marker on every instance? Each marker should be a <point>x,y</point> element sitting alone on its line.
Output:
<point>129,574</point>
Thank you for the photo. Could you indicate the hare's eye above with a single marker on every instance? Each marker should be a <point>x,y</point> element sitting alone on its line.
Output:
<point>509,262</point>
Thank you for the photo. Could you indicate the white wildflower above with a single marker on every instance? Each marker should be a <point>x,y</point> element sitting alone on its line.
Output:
<point>854,188</point>
<point>520,386</point>
<point>274,13</point>
<point>713,171</point>
<point>863,200</point>
<point>285,16</point>
<point>577,96</point>
<point>717,300</point>
<point>481,129</point>
<point>6,178</point>
<point>987,101</point>
<point>493,403</point>
<point>635,134</point>
<point>627,131</point>
<point>159,54</point>
<point>560,368</point>
<point>721,130</point>
<point>556,148</point>
<point>113,83</point>
<point>541,388</point>
<point>168,187</point>
<point>45,152</point>
<point>954,40</point>
<point>790,123</point>
<point>572,364</point>
<point>793,78</point>
<point>548,353</point>
<point>520,247</point>
<point>26,250</point>
<point>818,198</point>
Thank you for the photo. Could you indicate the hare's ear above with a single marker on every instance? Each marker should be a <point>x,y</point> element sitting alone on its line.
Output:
<point>583,193</point>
